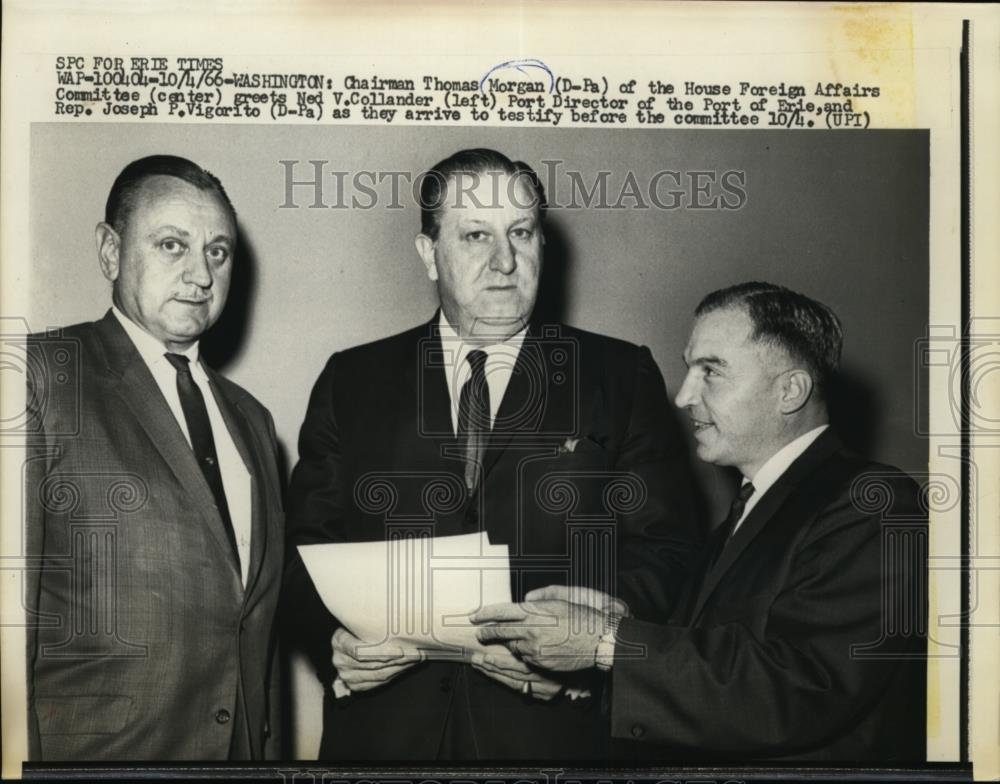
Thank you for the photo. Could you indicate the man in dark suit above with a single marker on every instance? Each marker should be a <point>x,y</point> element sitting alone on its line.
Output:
<point>557,442</point>
<point>803,636</point>
<point>153,501</point>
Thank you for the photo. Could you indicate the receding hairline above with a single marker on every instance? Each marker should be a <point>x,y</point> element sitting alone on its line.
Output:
<point>155,186</point>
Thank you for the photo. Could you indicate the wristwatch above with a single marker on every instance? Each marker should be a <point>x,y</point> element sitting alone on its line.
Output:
<point>604,656</point>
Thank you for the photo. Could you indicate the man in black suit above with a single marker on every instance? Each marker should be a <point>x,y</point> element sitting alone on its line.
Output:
<point>557,442</point>
<point>803,636</point>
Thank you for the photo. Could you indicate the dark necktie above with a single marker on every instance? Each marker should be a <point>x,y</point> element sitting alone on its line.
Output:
<point>735,513</point>
<point>474,418</point>
<point>200,430</point>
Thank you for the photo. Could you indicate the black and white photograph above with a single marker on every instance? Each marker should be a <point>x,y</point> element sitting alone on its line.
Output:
<point>481,449</point>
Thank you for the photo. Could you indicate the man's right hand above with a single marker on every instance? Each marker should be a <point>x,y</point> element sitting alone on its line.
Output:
<point>363,666</point>
<point>577,594</point>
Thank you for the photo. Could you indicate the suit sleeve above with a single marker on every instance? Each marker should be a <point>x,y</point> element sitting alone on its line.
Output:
<point>730,689</point>
<point>274,737</point>
<point>36,460</point>
<point>315,512</point>
<point>662,536</point>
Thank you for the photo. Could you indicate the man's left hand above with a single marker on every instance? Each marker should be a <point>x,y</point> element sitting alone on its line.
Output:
<point>554,635</point>
<point>509,670</point>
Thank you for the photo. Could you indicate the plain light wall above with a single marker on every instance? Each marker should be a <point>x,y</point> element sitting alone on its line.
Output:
<point>841,216</point>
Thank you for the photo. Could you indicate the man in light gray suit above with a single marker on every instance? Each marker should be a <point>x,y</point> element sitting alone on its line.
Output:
<point>153,501</point>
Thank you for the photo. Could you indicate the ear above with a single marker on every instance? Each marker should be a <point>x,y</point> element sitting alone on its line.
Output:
<point>425,249</point>
<point>108,250</point>
<point>796,389</point>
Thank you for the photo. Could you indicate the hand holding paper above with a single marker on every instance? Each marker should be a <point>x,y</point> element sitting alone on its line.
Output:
<point>577,594</point>
<point>551,634</point>
<point>411,595</point>
<point>361,666</point>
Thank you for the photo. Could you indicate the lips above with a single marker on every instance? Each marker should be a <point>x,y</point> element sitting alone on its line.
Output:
<point>700,425</point>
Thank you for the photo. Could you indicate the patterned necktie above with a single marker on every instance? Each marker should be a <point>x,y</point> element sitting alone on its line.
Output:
<point>474,418</point>
<point>200,430</point>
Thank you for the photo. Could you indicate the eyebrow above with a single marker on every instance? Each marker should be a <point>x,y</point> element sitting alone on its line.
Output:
<point>480,222</point>
<point>709,360</point>
<point>171,228</point>
<point>185,234</point>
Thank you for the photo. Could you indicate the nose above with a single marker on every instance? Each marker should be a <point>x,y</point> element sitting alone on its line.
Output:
<point>503,259</point>
<point>196,271</point>
<point>687,395</point>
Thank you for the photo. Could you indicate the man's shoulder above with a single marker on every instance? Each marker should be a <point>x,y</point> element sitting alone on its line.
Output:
<point>83,331</point>
<point>374,362</point>
<point>591,347</point>
<point>859,468</point>
<point>384,357</point>
<point>867,484</point>
<point>64,352</point>
<point>585,336</point>
<point>388,354</point>
<point>401,341</point>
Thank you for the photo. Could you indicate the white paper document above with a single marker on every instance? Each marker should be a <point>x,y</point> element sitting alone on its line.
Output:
<point>417,592</point>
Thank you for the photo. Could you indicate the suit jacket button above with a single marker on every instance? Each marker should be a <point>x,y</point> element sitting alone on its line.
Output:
<point>446,684</point>
<point>638,730</point>
<point>222,716</point>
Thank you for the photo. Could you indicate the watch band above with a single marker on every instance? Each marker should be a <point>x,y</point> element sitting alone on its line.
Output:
<point>604,655</point>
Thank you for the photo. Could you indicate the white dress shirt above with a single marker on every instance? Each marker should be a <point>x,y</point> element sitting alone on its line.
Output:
<point>776,465</point>
<point>235,477</point>
<point>500,361</point>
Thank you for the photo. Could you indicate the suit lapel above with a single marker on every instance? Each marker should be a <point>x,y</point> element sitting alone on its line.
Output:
<point>769,505</point>
<point>249,447</point>
<point>535,403</point>
<point>138,389</point>
<point>425,383</point>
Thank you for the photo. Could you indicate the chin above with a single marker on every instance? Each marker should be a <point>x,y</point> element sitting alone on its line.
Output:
<point>186,333</point>
<point>709,455</point>
<point>502,315</point>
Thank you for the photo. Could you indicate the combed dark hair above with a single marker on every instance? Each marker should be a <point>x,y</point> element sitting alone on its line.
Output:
<point>122,198</point>
<point>434,182</point>
<point>808,330</point>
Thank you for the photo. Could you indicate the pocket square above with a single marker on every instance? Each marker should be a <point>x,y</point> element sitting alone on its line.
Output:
<point>579,444</point>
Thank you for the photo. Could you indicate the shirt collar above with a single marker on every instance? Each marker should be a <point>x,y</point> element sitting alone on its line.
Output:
<point>781,460</point>
<point>450,337</point>
<point>150,349</point>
